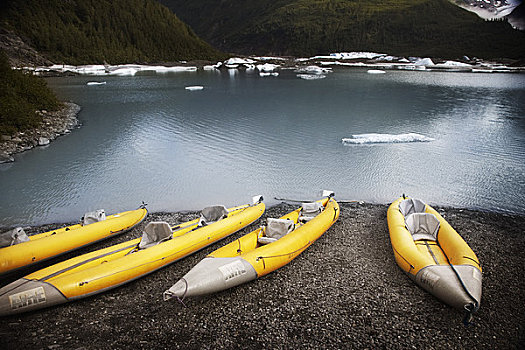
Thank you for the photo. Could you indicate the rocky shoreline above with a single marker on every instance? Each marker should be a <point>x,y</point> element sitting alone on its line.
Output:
<point>345,291</point>
<point>54,124</point>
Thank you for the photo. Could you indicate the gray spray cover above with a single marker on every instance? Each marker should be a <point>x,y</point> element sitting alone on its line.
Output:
<point>212,275</point>
<point>442,282</point>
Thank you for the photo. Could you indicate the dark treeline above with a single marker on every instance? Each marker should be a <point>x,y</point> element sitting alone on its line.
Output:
<point>21,95</point>
<point>308,27</point>
<point>94,31</point>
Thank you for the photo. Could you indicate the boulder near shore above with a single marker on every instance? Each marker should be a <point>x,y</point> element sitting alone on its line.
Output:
<point>343,292</point>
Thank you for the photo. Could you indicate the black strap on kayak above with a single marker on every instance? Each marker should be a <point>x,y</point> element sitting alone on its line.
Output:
<point>402,257</point>
<point>470,308</point>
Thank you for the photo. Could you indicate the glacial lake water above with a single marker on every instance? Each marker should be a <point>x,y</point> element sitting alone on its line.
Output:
<point>147,138</point>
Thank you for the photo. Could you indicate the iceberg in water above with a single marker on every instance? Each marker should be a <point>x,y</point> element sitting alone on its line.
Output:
<point>361,139</point>
<point>267,67</point>
<point>313,70</point>
<point>311,76</point>
<point>268,74</point>
<point>96,83</point>
<point>375,71</point>
<point>194,88</point>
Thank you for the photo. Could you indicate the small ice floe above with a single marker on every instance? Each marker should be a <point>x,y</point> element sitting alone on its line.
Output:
<point>238,61</point>
<point>213,67</point>
<point>118,70</point>
<point>313,70</point>
<point>353,55</point>
<point>427,62</point>
<point>194,88</point>
<point>361,139</point>
<point>267,67</point>
<point>311,76</point>
<point>375,71</point>
<point>96,83</point>
<point>269,58</point>
<point>268,74</point>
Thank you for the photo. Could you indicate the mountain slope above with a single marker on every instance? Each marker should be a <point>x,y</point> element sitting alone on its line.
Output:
<point>93,31</point>
<point>309,27</point>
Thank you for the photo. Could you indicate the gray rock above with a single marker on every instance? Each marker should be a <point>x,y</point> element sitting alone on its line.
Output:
<point>5,138</point>
<point>6,158</point>
<point>42,141</point>
<point>16,139</point>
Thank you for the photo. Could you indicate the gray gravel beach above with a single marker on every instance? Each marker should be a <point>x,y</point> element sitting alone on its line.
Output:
<point>345,291</point>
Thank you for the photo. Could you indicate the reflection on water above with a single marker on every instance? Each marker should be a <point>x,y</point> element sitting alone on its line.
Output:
<point>147,138</point>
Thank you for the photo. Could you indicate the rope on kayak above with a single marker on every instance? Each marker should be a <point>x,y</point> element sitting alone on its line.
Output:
<point>280,255</point>
<point>143,205</point>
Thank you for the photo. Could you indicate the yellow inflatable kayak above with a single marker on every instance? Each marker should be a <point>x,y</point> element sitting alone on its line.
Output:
<point>433,254</point>
<point>108,268</point>
<point>259,252</point>
<point>49,244</point>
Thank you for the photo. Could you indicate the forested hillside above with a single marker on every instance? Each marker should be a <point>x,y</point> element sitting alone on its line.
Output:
<point>21,94</point>
<point>310,27</point>
<point>94,31</point>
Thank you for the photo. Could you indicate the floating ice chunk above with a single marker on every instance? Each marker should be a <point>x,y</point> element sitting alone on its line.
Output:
<point>123,72</point>
<point>209,67</point>
<point>311,76</point>
<point>313,70</point>
<point>96,83</point>
<point>237,60</point>
<point>424,62</point>
<point>361,139</point>
<point>249,67</point>
<point>269,58</point>
<point>375,71</point>
<point>356,55</point>
<point>164,69</point>
<point>194,88</point>
<point>456,64</point>
<point>268,74</point>
<point>267,67</point>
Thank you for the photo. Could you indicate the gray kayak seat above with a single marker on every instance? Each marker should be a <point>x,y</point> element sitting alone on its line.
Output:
<point>411,206</point>
<point>93,216</point>
<point>275,229</point>
<point>209,215</point>
<point>155,233</point>
<point>310,210</point>
<point>422,226</point>
<point>12,237</point>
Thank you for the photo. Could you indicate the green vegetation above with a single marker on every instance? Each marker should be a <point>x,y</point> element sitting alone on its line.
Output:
<point>94,31</point>
<point>21,95</point>
<point>435,28</point>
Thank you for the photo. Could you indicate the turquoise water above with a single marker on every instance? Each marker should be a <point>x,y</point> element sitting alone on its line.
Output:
<point>147,138</point>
